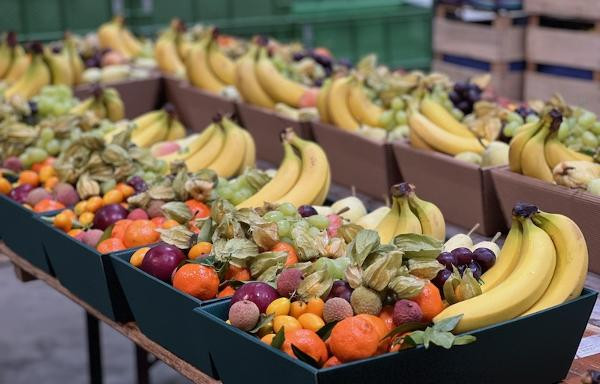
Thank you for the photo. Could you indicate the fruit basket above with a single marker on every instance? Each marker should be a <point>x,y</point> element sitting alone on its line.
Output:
<point>139,95</point>
<point>465,184</point>
<point>163,313</point>
<point>85,272</point>
<point>489,356</point>
<point>195,107</point>
<point>265,126</point>
<point>581,206</point>
<point>357,161</point>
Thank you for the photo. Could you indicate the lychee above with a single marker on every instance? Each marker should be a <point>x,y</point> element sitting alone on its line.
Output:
<point>288,281</point>
<point>336,309</point>
<point>406,311</point>
<point>365,300</point>
<point>66,194</point>
<point>244,315</point>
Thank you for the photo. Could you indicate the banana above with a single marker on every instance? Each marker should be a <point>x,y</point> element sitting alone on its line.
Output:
<point>98,108</point>
<point>372,220</point>
<point>517,143</point>
<point>148,135</point>
<point>230,160</point>
<point>148,118</point>
<point>387,226</point>
<point>176,129</point>
<point>20,63</point>
<point>361,107</point>
<point>430,216</point>
<point>571,260</point>
<point>249,152</point>
<point>209,152</point>
<point>109,36</point>
<point>33,80</point>
<point>247,83</point>
<point>83,106</point>
<point>533,159</point>
<point>167,57</point>
<point>324,191</point>
<point>190,145</point>
<point>284,180</point>
<point>120,128</point>
<point>322,101</point>
<point>198,70</point>
<point>6,57</point>
<point>280,88</point>
<point>417,142</point>
<point>130,42</point>
<point>115,108</point>
<point>315,168</point>
<point>337,105</point>
<point>441,139</point>
<point>438,115</point>
<point>222,66</point>
<point>409,222</point>
<point>507,259</point>
<point>75,62</point>
<point>517,293</point>
<point>556,152</point>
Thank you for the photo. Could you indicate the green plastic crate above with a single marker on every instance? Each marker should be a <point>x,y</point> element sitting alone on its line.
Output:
<point>312,6</point>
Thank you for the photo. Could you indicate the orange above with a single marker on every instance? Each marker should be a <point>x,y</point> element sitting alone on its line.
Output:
<point>74,232</point>
<point>332,362</point>
<point>70,214</point>
<point>237,273</point>
<point>268,338</point>
<point>46,172</point>
<point>119,228</point>
<point>5,186</point>
<point>138,256</point>
<point>202,248</point>
<point>63,221</point>
<point>308,342</point>
<point>227,291</point>
<point>287,322</point>
<point>311,321</point>
<point>48,205</point>
<point>51,183</point>
<point>282,246</point>
<point>381,329</point>
<point>110,245</point>
<point>114,196</point>
<point>86,218</point>
<point>430,302</point>
<point>140,232</point>
<point>298,308</point>
<point>315,305</point>
<point>354,338</point>
<point>197,280</point>
<point>198,208</point>
<point>126,190</point>
<point>80,207</point>
<point>36,167</point>
<point>93,204</point>
<point>29,177</point>
<point>386,315</point>
<point>168,224</point>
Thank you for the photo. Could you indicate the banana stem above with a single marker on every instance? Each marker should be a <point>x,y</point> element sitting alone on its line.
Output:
<point>524,210</point>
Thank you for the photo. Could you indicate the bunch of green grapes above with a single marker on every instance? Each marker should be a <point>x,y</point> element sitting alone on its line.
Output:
<point>47,144</point>
<point>235,190</point>
<point>514,121</point>
<point>581,131</point>
<point>55,100</point>
<point>396,116</point>
<point>287,218</point>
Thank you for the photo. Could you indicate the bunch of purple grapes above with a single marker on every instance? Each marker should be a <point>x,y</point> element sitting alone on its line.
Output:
<point>478,261</point>
<point>464,95</point>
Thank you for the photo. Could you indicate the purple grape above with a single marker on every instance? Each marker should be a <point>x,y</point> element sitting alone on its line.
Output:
<point>454,97</point>
<point>447,259</point>
<point>340,289</point>
<point>462,255</point>
<point>441,278</point>
<point>474,95</point>
<point>298,56</point>
<point>307,211</point>
<point>461,87</point>
<point>465,107</point>
<point>462,268</point>
<point>138,184</point>
<point>485,258</point>
<point>476,269</point>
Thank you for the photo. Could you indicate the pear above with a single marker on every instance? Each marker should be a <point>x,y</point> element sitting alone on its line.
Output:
<point>378,134</point>
<point>576,174</point>
<point>353,208</point>
<point>495,154</point>
<point>469,157</point>
<point>593,187</point>
<point>372,220</point>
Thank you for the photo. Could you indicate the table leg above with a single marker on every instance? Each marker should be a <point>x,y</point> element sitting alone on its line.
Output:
<point>94,349</point>
<point>142,365</point>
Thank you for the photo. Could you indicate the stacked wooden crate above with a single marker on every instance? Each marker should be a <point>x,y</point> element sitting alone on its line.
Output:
<point>464,49</point>
<point>563,51</point>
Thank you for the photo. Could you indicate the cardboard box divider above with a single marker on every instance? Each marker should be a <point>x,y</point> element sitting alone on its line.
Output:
<point>581,207</point>
<point>357,161</point>
<point>464,192</point>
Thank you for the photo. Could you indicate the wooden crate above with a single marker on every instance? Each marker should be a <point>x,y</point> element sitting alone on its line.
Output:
<point>582,9</point>
<point>505,82</point>
<point>585,93</point>
<point>499,41</point>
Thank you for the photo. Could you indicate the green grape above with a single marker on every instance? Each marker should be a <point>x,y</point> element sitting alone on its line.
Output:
<point>563,131</point>
<point>532,118</point>
<point>225,191</point>
<point>457,113</point>
<point>273,216</point>
<point>572,121</point>
<point>107,186</point>
<point>596,128</point>
<point>242,182</point>
<point>400,117</point>
<point>246,192</point>
<point>47,134</point>
<point>302,224</point>
<point>319,221</point>
<point>53,147</point>
<point>288,209</point>
<point>386,117</point>
<point>397,103</point>
<point>448,105</point>
<point>577,131</point>
<point>38,155</point>
<point>515,117</point>
<point>286,239</point>
<point>570,140</point>
<point>589,139</point>
<point>283,228</point>
<point>576,146</point>
<point>587,119</point>
<point>314,231</point>
<point>25,160</point>
<point>510,128</point>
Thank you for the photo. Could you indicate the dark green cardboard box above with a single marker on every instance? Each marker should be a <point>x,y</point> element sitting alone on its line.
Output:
<point>85,272</point>
<point>534,349</point>
<point>163,313</point>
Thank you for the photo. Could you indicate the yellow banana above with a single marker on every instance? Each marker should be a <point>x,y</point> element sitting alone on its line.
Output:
<point>198,70</point>
<point>190,145</point>
<point>361,107</point>
<point>152,133</point>
<point>167,58</point>
<point>249,152</point>
<point>130,42</point>
<point>83,106</point>
<point>6,57</point>
<point>438,115</point>
<point>20,63</point>
<point>324,191</point>
<point>230,160</point>
<point>148,118</point>
<point>222,66</point>
<point>109,36</point>
<point>337,105</point>
<point>556,152</point>
<point>280,88</point>
<point>314,171</point>
<point>176,129</point>
<point>322,101</point>
<point>372,219</point>
<point>430,216</point>
<point>517,293</point>
<point>417,142</point>
<point>33,80</point>
<point>517,143</point>
<point>284,180</point>
<point>75,62</point>
<point>387,226</point>
<point>441,139</point>
<point>533,159</point>
<point>115,108</point>
<point>409,222</point>
<point>209,152</point>
<point>508,258</point>
<point>247,83</point>
<point>571,260</point>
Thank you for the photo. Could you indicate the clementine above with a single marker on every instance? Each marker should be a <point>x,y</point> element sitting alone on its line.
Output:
<point>197,280</point>
<point>140,232</point>
<point>308,342</point>
<point>430,301</point>
<point>354,338</point>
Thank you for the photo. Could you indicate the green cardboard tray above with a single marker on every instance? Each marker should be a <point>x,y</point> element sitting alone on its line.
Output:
<point>21,230</point>
<point>163,313</point>
<point>85,272</point>
<point>516,351</point>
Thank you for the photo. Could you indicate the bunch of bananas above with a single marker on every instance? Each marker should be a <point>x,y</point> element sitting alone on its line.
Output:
<point>432,127</point>
<point>105,103</point>
<point>14,60</point>
<point>115,36</point>
<point>171,49</point>
<point>303,176</point>
<point>535,150</point>
<point>543,263</point>
<point>409,214</point>
<point>155,126</point>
